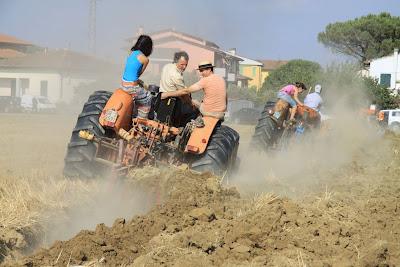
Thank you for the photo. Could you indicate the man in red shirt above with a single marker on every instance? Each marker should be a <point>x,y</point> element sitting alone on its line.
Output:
<point>215,97</point>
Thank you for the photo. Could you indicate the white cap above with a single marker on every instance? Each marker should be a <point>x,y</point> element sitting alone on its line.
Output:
<point>318,88</point>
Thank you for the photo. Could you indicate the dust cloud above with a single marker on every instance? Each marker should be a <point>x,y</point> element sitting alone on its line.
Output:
<point>34,147</point>
<point>311,161</point>
<point>107,200</point>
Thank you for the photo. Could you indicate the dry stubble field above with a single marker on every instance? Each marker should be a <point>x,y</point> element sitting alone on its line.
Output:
<point>340,210</point>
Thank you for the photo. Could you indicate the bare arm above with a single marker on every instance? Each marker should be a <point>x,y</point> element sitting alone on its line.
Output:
<point>185,91</point>
<point>296,97</point>
<point>144,60</point>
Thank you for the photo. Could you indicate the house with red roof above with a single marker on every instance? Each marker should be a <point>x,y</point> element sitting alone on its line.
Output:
<point>168,41</point>
<point>28,69</point>
<point>11,47</point>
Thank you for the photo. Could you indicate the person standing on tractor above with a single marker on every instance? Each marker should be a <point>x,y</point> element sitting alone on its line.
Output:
<point>215,97</point>
<point>289,94</point>
<point>136,64</point>
<point>314,100</point>
<point>172,80</point>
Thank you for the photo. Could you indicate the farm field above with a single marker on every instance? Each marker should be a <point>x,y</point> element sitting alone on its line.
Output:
<point>344,213</point>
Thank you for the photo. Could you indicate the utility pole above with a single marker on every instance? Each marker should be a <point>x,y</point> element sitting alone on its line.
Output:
<point>92,27</point>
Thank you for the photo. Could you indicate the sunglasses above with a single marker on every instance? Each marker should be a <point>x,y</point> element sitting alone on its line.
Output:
<point>201,70</point>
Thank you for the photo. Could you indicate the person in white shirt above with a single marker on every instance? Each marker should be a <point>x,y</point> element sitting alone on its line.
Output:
<point>171,81</point>
<point>314,100</point>
<point>172,73</point>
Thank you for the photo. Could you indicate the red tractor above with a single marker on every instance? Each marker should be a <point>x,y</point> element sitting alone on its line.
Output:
<point>106,138</point>
<point>274,130</point>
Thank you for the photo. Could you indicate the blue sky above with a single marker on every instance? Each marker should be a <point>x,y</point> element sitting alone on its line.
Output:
<point>269,29</point>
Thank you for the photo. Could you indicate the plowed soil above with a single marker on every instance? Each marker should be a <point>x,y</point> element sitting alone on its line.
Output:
<point>338,210</point>
<point>199,223</point>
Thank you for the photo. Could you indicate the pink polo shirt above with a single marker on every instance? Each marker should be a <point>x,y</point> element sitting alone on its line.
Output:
<point>214,93</point>
<point>289,89</point>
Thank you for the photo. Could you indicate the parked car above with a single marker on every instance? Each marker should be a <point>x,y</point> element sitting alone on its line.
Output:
<point>390,118</point>
<point>10,104</point>
<point>31,103</point>
<point>235,105</point>
<point>246,116</point>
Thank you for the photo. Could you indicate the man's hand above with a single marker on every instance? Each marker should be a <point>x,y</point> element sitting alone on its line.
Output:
<point>181,92</point>
<point>164,95</point>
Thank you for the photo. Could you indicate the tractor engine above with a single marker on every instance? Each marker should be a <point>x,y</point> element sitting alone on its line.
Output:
<point>146,143</point>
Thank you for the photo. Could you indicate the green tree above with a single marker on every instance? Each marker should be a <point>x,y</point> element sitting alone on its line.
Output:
<point>380,95</point>
<point>363,38</point>
<point>299,70</point>
<point>342,83</point>
<point>236,92</point>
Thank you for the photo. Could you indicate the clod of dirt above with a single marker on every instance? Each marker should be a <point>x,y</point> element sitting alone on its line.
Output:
<point>202,214</point>
<point>237,247</point>
<point>212,185</point>
<point>13,239</point>
<point>125,241</point>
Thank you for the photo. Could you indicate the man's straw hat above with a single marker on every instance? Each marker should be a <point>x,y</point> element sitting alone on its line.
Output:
<point>205,65</point>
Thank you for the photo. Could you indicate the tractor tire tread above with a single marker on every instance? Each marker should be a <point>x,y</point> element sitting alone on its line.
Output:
<point>80,152</point>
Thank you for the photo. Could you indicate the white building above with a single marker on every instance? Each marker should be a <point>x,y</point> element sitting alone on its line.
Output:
<point>53,74</point>
<point>387,70</point>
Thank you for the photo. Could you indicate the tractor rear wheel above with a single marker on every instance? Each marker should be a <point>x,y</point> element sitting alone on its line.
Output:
<point>80,152</point>
<point>220,154</point>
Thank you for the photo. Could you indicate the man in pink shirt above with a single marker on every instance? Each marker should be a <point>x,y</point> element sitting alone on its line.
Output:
<point>215,98</point>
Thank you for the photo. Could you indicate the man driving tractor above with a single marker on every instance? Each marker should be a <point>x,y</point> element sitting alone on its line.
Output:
<point>215,98</point>
<point>172,80</point>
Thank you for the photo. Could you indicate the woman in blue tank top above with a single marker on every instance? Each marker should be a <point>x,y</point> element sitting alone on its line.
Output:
<point>136,64</point>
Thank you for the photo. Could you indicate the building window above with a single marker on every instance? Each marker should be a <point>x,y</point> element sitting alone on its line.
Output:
<point>385,79</point>
<point>24,85</point>
<point>218,61</point>
<point>43,88</point>
<point>234,66</point>
<point>254,71</point>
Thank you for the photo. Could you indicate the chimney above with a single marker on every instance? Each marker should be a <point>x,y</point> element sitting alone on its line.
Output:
<point>232,51</point>
<point>140,31</point>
